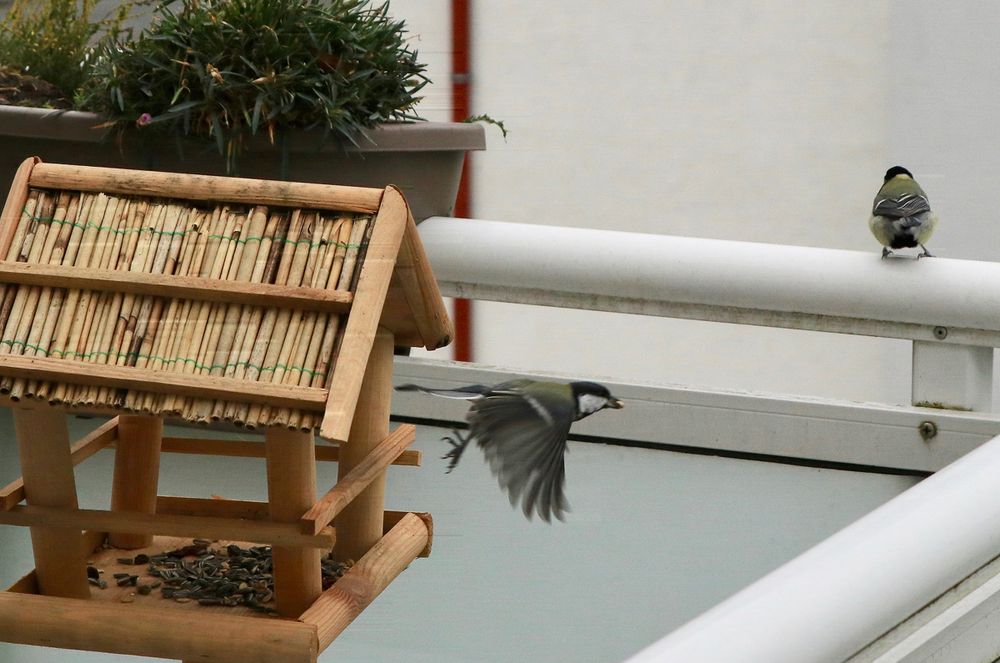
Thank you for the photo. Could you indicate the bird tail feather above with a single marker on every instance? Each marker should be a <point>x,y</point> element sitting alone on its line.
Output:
<point>463,393</point>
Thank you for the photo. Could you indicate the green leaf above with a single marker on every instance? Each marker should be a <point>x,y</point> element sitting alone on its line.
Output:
<point>257,105</point>
<point>179,108</point>
<point>339,64</point>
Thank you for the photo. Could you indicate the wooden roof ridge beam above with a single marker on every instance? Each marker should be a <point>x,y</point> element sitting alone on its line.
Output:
<point>205,187</point>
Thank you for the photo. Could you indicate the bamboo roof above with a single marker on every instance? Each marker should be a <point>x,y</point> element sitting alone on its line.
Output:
<point>209,299</point>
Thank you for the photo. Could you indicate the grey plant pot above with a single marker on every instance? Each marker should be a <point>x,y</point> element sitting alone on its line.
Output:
<point>424,159</point>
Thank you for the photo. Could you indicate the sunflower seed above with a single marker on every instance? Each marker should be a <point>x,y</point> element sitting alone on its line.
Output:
<point>230,576</point>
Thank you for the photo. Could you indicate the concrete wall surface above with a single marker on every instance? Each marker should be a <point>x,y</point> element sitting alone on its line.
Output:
<point>769,121</point>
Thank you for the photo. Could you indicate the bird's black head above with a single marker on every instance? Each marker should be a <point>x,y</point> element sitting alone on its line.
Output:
<point>897,170</point>
<point>591,397</point>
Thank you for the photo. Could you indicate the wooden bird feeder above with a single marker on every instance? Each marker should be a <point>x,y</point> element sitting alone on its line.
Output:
<point>272,306</point>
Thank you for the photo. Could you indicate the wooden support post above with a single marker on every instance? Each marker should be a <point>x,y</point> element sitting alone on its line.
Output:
<point>137,471</point>
<point>359,525</point>
<point>291,491</point>
<point>43,444</point>
<point>12,494</point>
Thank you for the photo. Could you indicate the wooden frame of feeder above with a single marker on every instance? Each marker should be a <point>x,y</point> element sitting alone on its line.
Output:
<point>395,302</point>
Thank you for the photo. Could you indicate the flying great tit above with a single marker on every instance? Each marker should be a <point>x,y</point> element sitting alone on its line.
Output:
<point>901,213</point>
<point>522,426</point>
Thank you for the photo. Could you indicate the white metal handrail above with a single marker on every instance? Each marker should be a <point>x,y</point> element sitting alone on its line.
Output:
<point>836,598</point>
<point>950,309</point>
<point>939,299</point>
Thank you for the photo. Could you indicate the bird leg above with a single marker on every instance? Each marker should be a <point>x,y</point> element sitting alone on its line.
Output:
<point>925,254</point>
<point>886,252</point>
<point>458,444</point>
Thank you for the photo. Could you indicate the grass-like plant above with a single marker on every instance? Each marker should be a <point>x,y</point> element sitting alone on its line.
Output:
<point>51,39</point>
<point>229,69</point>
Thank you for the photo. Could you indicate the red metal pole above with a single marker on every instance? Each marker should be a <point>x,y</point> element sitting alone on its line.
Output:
<point>460,86</point>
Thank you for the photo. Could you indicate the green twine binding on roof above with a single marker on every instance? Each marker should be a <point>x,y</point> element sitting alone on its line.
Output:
<point>182,233</point>
<point>165,360</point>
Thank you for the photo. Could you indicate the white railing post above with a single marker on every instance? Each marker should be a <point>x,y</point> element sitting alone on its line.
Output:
<point>952,376</point>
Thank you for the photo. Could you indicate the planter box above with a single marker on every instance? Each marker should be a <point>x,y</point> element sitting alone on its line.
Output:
<point>423,159</point>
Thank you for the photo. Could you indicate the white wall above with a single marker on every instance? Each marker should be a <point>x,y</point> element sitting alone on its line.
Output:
<point>761,121</point>
<point>945,107</point>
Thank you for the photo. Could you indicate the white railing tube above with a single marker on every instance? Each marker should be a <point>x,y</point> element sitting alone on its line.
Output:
<point>938,300</point>
<point>836,598</point>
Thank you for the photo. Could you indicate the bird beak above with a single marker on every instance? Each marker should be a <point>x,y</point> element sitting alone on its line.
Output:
<point>615,404</point>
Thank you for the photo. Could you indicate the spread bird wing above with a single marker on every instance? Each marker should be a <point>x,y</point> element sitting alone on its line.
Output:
<point>524,442</point>
<point>902,205</point>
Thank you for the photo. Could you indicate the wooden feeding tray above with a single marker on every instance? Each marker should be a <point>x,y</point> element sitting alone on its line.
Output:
<point>270,306</point>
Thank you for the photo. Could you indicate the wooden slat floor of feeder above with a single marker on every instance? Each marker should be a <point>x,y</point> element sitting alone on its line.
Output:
<point>106,560</point>
<point>153,626</point>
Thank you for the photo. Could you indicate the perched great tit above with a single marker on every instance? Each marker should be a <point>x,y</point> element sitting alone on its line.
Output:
<point>522,426</point>
<point>901,213</point>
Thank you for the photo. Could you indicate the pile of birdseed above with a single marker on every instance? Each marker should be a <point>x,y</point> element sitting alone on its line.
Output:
<point>230,576</point>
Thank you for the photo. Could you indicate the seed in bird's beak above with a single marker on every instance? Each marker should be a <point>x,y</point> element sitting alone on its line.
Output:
<point>615,404</point>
